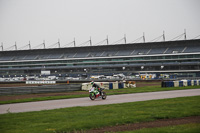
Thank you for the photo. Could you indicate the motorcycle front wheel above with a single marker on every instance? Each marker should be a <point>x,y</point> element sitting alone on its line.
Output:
<point>103,95</point>
<point>92,96</point>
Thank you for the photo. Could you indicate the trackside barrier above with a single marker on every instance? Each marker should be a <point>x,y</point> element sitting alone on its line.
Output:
<point>192,82</point>
<point>86,86</point>
<point>176,83</point>
<point>130,84</point>
<point>103,85</point>
<point>107,85</point>
<point>110,85</point>
<point>115,85</point>
<point>189,83</point>
<point>121,85</point>
<point>195,83</point>
<point>39,89</point>
<point>163,84</point>
<point>181,83</point>
<point>185,83</point>
<point>125,85</point>
<point>170,84</point>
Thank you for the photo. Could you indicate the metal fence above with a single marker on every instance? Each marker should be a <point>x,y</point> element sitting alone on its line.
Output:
<point>39,89</point>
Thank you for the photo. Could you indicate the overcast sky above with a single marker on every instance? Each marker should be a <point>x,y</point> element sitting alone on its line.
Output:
<point>37,20</point>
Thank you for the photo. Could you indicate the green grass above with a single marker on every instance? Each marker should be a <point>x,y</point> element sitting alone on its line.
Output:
<point>84,118</point>
<point>186,128</point>
<point>109,92</point>
<point>43,98</point>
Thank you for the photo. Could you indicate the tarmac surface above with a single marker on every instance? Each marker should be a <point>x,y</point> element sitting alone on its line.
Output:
<point>112,99</point>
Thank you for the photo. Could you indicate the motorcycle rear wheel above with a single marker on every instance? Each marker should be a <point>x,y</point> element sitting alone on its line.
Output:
<point>92,96</point>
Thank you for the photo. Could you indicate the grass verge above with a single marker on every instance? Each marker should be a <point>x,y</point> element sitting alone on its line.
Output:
<point>109,92</point>
<point>84,118</point>
<point>43,98</point>
<point>185,128</point>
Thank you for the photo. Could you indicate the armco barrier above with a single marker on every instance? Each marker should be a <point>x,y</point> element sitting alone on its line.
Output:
<point>39,89</point>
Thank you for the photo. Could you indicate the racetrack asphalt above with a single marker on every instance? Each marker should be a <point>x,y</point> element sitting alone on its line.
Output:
<point>111,99</point>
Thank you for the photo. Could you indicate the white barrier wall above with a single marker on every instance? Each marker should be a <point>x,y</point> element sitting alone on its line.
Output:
<point>192,82</point>
<point>185,83</point>
<point>176,83</point>
<point>115,85</point>
<point>104,85</point>
<point>107,85</point>
<point>86,86</point>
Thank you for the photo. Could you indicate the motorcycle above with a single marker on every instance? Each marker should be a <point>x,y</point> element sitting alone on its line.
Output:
<point>94,93</point>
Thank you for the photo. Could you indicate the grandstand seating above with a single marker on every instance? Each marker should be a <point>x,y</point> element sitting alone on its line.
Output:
<point>54,56</point>
<point>173,50</point>
<point>188,46</point>
<point>192,49</point>
<point>140,51</point>
<point>108,53</point>
<point>29,57</point>
<point>81,55</point>
<point>157,51</point>
<point>95,54</point>
<point>124,52</point>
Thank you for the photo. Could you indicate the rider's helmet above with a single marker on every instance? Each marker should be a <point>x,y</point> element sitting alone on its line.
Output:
<point>92,82</point>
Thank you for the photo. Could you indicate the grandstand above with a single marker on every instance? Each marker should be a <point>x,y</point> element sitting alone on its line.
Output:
<point>180,58</point>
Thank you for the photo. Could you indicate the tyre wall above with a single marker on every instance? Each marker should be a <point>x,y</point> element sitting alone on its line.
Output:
<point>181,83</point>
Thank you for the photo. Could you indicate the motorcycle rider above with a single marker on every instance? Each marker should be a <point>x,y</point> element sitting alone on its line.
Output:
<point>96,87</point>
